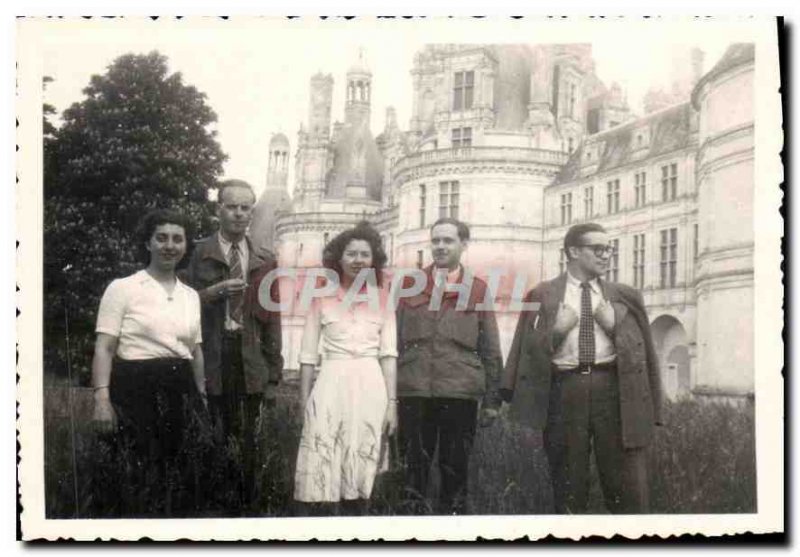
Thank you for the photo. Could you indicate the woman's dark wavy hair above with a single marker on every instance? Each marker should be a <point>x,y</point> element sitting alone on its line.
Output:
<point>153,219</point>
<point>363,231</point>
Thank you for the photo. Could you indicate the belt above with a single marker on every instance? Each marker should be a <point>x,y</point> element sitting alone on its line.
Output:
<point>609,367</point>
<point>345,356</point>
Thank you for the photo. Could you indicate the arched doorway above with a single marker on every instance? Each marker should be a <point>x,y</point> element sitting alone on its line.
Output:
<point>672,348</point>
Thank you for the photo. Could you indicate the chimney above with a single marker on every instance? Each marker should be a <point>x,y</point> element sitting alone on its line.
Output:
<point>391,119</point>
<point>698,58</point>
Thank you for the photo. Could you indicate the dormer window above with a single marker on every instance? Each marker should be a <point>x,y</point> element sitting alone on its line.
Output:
<point>461,137</point>
<point>642,138</point>
<point>463,85</point>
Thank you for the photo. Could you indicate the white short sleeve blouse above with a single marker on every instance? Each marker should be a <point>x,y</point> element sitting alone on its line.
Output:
<point>149,323</point>
<point>338,329</point>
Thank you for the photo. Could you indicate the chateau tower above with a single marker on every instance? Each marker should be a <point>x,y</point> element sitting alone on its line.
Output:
<point>274,198</point>
<point>359,93</point>
<point>357,166</point>
<point>312,154</point>
<point>319,107</point>
<point>278,164</point>
<point>725,182</point>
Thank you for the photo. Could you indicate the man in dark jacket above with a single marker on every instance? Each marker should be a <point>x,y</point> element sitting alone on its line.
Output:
<point>583,370</point>
<point>449,361</point>
<point>241,341</point>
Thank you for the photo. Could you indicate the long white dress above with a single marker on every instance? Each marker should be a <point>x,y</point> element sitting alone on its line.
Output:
<point>341,443</point>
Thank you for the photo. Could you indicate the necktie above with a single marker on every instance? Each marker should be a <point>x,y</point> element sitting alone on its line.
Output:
<point>586,330</point>
<point>236,300</point>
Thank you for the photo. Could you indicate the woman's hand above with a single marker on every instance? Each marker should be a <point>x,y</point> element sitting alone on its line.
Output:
<point>306,375</point>
<point>103,417</point>
<point>390,421</point>
<point>301,408</point>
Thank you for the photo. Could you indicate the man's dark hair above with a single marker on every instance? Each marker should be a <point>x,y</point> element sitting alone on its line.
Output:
<point>462,228</point>
<point>234,184</point>
<point>575,234</point>
<point>363,231</point>
<point>153,219</point>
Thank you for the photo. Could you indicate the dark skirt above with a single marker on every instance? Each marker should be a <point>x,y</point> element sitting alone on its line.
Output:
<point>153,400</point>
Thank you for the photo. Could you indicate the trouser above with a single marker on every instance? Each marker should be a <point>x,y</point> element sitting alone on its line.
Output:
<point>584,413</point>
<point>235,411</point>
<point>154,401</point>
<point>152,398</point>
<point>451,422</point>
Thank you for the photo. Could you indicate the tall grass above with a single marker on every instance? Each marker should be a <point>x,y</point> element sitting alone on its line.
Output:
<point>702,461</point>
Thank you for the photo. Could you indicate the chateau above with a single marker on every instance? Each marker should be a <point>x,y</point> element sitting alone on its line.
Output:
<point>520,142</point>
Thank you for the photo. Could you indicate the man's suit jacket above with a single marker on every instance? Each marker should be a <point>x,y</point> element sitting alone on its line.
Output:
<point>261,333</point>
<point>528,372</point>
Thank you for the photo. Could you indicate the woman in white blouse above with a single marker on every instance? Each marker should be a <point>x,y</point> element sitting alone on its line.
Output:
<point>148,365</point>
<point>352,405</point>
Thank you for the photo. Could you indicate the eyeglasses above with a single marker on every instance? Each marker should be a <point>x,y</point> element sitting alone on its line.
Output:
<point>599,249</point>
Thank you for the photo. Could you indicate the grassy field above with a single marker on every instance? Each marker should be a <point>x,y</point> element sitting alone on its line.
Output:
<point>702,461</point>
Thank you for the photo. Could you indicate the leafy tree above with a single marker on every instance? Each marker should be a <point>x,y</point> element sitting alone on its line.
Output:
<point>140,139</point>
<point>48,129</point>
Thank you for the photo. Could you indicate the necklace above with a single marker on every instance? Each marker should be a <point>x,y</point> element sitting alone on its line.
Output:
<point>168,285</point>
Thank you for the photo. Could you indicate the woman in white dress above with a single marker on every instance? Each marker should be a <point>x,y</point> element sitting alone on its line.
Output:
<point>352,406</point>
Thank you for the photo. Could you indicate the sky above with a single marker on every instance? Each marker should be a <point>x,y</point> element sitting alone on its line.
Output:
<point>255,72</point>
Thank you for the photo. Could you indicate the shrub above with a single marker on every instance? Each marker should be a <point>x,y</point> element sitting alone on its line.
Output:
<point>702,461</point>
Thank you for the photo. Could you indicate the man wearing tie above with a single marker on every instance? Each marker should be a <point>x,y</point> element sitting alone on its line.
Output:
<point>241,341</point>
<point>582,370</point>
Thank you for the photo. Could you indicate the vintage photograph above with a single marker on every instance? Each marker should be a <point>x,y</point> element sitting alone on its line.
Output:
<point>374,268</point>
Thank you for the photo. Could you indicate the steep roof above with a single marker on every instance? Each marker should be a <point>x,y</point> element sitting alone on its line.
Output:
<point>262,225</point>
<point>356,160</point>
<point>737,54</point>
<point>512,86</point>
<point>670,129</point>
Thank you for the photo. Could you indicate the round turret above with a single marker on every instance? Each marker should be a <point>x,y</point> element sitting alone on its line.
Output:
<point>725,191</point>
<point>278,141</point>
<point>360,66</point>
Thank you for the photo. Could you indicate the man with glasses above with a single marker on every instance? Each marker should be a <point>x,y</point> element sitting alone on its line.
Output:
<point>583,373</point>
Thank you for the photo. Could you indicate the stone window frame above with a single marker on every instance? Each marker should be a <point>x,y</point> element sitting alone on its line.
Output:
<point>639,255</point>
<point>463,90</point>
<point>612,273</point>
<point>669,258</point>
<point>566,208</point>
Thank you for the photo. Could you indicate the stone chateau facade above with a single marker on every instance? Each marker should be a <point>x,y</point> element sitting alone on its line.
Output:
<point>521,141</point>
